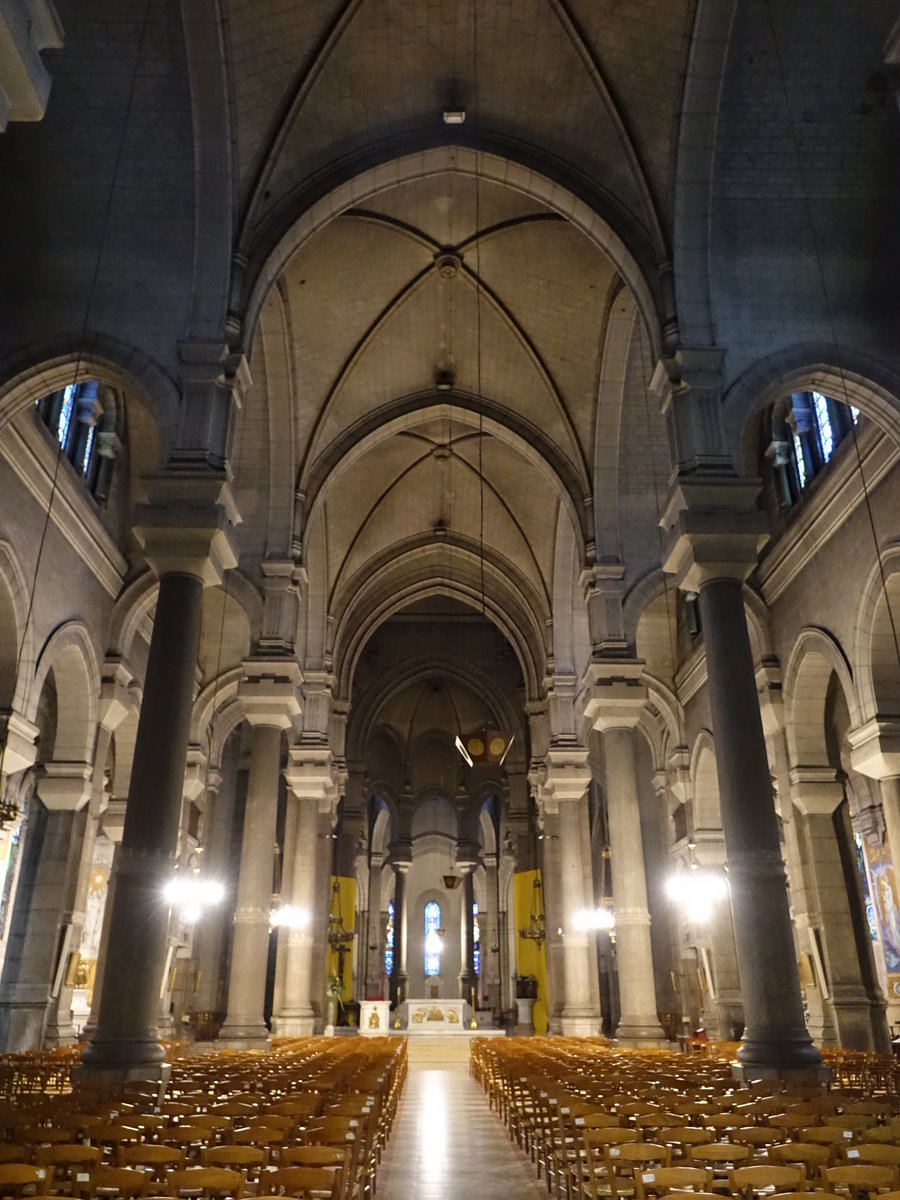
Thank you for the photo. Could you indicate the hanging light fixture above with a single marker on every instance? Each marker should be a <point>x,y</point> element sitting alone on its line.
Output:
<point>340,939</point>
<point>603,917</point>
<point>697,891</point>
<point>536,929</point>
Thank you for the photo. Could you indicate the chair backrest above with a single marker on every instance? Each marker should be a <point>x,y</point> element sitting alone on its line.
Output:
<point>15,1176</point>
<point>125,1180</point>
<point>237,1158</point>
<point>754,1179</point>
<point>874,1153</point>
<point>211,1181</point>
<point>160,1159</point>
<point>719,1152</point>
<point>811,1155</point>
<point>304,1181</point>
<point>661,1180</point>
<point>861,1177</point>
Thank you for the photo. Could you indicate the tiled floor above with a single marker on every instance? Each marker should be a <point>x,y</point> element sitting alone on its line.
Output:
<point>447,1145</point>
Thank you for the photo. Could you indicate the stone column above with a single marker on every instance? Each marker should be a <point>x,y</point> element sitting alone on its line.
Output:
<point>186,536</point>
<point>310,780</point>
<point>374,930</point>
<point>776,1041</point>
<point>399,984</point>
<point>468,980</point>
<point>112,823</point>
<point>817,795</point>
<point>220,788</point>
<point>564,786</point>
<point>41,931</point>
<point>638,1021</point>
<point>551,889</point>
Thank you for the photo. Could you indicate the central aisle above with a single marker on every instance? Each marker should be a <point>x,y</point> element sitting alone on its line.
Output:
<point>447,1144</point>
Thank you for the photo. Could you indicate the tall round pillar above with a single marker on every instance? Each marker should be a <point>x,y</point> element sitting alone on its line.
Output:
<point>399,975</point>
<point>127,1032</point>
<point>776,1040</point>
<point>296,1017</point>
<point>468,980</point>
<point>245,1023</point>
<point>638,1021</point>
<point>579,1015</point>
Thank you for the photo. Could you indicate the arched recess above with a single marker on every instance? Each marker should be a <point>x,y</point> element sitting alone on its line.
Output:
<point>275,244</point>
<point>16,660</point>
<point>364,716</point>
<point>692,204</point>
<point>414,571</point>
<point>133,607</point>
<point>705,784</point>
<point>571,637</point>
<point>325,473</point>
<point>31,374</point>
<point>383,753</point>
<point>70,654</point>
<point>815,657</point>
<point>620,327</point>
<point>845,375</point>
<point>217,696</point>
<point>876,639</point>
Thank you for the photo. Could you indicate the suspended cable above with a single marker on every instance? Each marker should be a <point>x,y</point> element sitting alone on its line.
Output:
<point>92,290</point>
<point>829,309</point>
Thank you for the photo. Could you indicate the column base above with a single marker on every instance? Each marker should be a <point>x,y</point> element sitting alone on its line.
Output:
<point>301,1025</point>
<point>641,1032</point>
<point>60,1035</point>
<point>244,1037</point>
<point>820,1076</point>
<point>580,1024</point>
<point>109,1078</point>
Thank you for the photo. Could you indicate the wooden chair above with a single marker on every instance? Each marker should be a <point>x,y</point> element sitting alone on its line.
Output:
<point>662,1180</point>
<point>251,1160</point>
<point>11,1152</point>
<point>127,1182</point>
<point>305,1183</point>
<point>680,1139</point>
<point>68,1161</point>
<point>851,1180</point>
<point>810,1155</point>
<point>208,1181</point>
<point>753,1180</point>
<point>155,1161</point>
<point>624,1162</point>
<point>721,1158</point>
<point>588,1174</point>
<point>875,1154</point>
<point>16,1177</point>
<point>112,1138</point>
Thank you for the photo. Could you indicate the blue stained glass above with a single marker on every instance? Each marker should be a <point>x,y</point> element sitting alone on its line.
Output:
<point>799,460</point>
<point>88,448</point>
<point>476,938</point>
<point>823,420</point>
<point>871,919</point>
<point>432,925</point>
<point>64,423</point>
<point>389,941</point>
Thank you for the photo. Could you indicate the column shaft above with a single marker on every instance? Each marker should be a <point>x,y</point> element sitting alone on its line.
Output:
<point>468,980</point>
<point>296,1018</point>
<point>250,948</point>
<point>775,1038</point>
<point>638,1021</point>
<point>126,1033</point>
<point>399,976</point>
<point>579,1016</point>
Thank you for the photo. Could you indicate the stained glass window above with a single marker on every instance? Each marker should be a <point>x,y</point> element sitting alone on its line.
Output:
<point>871,919</point>
<point>823,421</point>
<point>64,423</point>
<point>389,941</point>
<point>432,938</point>
<point>476,938</point>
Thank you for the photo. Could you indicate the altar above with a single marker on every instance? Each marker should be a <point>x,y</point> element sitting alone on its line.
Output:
<point>435,1016</point>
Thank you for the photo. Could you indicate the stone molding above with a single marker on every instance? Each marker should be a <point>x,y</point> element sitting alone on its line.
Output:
<point>270,691</point>
<point>26,28</point>
<point>613,694</point>
<point>65,786</point>
<point>875,747</point>
<point>187,526</point>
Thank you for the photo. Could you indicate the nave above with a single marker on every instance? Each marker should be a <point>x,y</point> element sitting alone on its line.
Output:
<point>444,1142</point>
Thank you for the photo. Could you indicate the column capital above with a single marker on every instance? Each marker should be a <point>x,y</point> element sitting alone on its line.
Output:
<point>603,589</point>
<point>65,786</point>
<point>310,775</point>
<point>564,776</point>
<point>713,530</point>
<point>400,856</point>
<point>112,822</point>
<point>281,603</point>
<point>875,747</point>
<point>116,698</point>
<point>19,739</point>
<point>613,694</point>
<point>187,525</point>
<point>270,691</point>
<point>816,791</point>
<point>679,773</point>
<point>194,772</point>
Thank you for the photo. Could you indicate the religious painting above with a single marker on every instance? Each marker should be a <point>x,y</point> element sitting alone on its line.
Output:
<point>884,887</point>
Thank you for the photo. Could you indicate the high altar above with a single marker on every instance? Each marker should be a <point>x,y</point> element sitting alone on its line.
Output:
<point>435,1016</point>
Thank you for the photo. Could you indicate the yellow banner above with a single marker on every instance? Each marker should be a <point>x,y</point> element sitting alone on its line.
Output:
<point>530,960</point>
<point>347,907</point>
